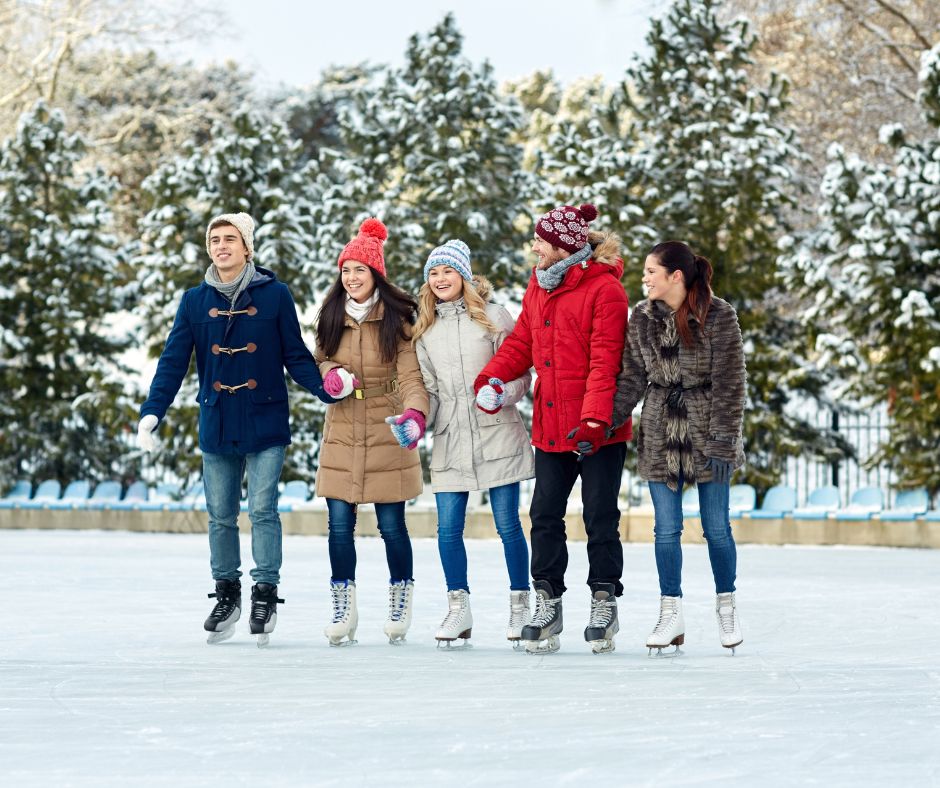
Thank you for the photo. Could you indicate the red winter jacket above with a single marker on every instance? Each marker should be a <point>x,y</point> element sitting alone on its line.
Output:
<point>573,336</point>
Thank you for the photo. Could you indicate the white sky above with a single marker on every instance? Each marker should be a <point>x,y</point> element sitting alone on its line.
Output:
<point>285,41</point>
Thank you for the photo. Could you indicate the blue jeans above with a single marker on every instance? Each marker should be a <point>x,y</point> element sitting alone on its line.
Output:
<point>342,524</point>
<point>451,517</point>
<point>222,478</point>
<point>713,506</point>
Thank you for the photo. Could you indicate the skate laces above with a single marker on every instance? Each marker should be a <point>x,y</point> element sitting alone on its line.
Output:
<point>668,609</point>
<point>519,613</point>
<point>456,608</point>
<point>602,611</point>
<point>726,610</point>
<point>260,602</point>
<point>544,610</point>
<point>340,593</point>
<point>399,596</point>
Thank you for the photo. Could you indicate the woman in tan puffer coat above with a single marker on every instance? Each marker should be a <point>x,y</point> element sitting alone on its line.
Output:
<point>685,359</point>
<point>367,454</point>
<point>457,333</point>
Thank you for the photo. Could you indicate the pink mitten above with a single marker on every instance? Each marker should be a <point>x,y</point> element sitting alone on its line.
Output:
<point>338,383</point>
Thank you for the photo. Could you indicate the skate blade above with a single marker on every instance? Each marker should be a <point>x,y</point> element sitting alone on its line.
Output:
<point>547,646</point>
<point>397,641</point>
<point>264,640</point>
<point>660,654</point>
<point>458,644</point>
<point>602,646</point>
<point>517,645</point>
<point>343,643</point>
<point>220,637</point>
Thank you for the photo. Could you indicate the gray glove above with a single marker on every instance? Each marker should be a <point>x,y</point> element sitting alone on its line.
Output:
<point>721,470</point>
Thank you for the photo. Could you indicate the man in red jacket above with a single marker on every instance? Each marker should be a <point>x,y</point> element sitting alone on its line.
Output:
<point>572,327</point>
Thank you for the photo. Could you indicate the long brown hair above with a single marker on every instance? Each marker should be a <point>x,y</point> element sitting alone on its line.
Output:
<point>400,311</point>
<point>697,276</point>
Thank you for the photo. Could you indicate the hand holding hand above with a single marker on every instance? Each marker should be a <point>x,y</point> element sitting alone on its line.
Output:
<point>339,383</point>
<point>721,470</point>
<point>407,428</point>
<point>590,435</point>
<point>146,440</point>
<point>489,394</point>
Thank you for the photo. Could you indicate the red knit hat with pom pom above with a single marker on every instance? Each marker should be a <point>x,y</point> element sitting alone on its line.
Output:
<point>366,247</point>
<point>566,226</point>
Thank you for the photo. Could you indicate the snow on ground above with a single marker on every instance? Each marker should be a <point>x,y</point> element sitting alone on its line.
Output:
<point>106,679</point>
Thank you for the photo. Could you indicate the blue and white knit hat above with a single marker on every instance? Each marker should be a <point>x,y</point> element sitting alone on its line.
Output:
<point>454,253</point>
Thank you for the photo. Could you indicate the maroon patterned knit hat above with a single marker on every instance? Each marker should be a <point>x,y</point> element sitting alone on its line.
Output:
<point>566,226</point>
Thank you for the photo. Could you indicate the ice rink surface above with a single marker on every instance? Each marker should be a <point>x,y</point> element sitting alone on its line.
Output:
<point>106,679</point>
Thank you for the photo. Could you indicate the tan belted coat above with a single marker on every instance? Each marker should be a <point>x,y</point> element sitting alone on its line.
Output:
<point>360,460</point>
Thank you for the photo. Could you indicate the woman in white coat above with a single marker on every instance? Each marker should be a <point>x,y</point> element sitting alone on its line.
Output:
<point>457,333</point>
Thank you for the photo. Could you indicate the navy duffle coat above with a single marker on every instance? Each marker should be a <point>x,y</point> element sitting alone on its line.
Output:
<point>240,359</point>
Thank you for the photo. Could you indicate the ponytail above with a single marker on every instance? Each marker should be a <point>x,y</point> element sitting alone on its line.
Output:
<point>697,275</point>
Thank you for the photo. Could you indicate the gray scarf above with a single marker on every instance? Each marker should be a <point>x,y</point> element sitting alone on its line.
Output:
<point>230,290</point>
<point>550,278</point>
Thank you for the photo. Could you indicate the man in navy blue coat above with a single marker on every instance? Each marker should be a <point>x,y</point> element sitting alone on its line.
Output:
<point>242,323</point>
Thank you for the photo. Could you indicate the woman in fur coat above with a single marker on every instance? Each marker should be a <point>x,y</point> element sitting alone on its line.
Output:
<point>369,364</point>
<point>457,332</point>
<point>685,359</point>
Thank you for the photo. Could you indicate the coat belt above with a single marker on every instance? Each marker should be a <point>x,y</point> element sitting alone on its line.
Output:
<point>674,397</point>
<point>376,391</point>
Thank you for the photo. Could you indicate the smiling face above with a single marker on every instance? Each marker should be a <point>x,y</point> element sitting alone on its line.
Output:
<point>357,280</point>
<point>548,255</point>
<point>228,251</point>
<point>445,283</point>
<point>661,285</point>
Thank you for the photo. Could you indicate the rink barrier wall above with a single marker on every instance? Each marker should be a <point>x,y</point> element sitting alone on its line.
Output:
<point>636,525</point>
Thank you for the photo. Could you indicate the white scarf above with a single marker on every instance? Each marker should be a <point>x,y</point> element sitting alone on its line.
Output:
<point>360,312</point>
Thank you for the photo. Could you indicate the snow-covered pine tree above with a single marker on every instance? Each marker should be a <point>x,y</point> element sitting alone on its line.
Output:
<point>65,394</point>
<point>252,165</point>
<point>872,274</point>
<point>430,151</point>
<point>710,163</point>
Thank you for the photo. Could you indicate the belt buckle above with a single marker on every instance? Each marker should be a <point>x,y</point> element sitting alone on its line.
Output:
<point>359,394</point>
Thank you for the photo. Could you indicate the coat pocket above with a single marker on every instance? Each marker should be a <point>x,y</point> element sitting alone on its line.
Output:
<point>269,414</point>
<point>499,434</point>
<point>442,433</point>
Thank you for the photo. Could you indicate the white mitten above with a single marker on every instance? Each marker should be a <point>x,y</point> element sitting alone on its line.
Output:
<point>146,440</point>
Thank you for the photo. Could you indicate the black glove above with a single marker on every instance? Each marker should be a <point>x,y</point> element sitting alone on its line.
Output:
<point>721,470</point>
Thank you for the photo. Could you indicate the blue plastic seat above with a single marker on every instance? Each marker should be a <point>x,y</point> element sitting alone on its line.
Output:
<point>864,502</point>
<point>193,498</point>
<point>163,498</point>
<point>908,505</point>
<point>821,502</point>
<point>137,493</point>
<point>742,498</point>
<point>20,492</point>
<point>74,497</point>
<point>690,504</point>
<point>105,494</point>
<point>294,493</point>
<point>779,501</point>
<point>47,493</point>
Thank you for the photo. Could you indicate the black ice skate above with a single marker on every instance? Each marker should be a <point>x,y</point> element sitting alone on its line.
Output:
<point>228,609</point>
<point>541,635</point>
<point>604,624</point>
<point>264,601</point>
